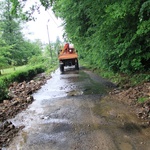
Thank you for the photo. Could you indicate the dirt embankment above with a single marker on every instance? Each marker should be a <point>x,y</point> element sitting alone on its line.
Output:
<point>138,97</point>
<point>20,97</point>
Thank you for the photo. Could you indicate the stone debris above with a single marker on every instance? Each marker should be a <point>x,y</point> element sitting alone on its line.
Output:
<point>7,132</point>
<point>138,96</point>
<point>143,111</point>
<point>20,96</point>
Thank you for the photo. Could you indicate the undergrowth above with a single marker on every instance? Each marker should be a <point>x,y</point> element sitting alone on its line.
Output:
<point>122,80</point>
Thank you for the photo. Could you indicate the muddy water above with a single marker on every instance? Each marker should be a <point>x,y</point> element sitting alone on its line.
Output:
<point>71,113</point>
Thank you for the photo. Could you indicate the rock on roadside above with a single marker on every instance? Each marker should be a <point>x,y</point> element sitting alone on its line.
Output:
<point>7,132</point>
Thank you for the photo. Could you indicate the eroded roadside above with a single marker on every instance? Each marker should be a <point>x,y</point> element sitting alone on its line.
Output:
<point>20,96</point>
<point>71,112</point>
<point>138,98</point>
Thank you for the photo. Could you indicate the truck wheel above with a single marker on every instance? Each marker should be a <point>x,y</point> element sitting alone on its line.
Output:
<point>77,65</point>
<point>61,68</point>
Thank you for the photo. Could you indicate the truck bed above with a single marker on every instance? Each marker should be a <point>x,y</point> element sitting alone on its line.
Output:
<point>68,56</point>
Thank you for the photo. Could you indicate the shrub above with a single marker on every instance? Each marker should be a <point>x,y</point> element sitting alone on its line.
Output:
<point>18,76</point>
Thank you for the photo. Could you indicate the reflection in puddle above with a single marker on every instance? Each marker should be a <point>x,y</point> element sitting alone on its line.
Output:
<point>51,120</point>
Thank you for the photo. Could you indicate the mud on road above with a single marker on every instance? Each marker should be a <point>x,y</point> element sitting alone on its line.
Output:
<point>71,113</point>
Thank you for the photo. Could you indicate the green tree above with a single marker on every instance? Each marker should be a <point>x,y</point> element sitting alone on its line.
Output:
<point>30,49</point>
<point>11,32</point>
<point>4,53</point>
<point>21,49</point>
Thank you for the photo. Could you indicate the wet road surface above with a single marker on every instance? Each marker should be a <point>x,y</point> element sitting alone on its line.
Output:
<point>70,113</point>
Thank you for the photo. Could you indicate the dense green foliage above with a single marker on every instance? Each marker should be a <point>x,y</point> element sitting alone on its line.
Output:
<point>109,34</point>
<point>4,52</point>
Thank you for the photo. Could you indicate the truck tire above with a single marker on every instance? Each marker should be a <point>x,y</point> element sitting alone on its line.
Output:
<point>61,68</point>
<point>76,65</point>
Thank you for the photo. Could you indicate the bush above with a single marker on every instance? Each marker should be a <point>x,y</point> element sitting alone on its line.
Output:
<point>18,76</point>
<point>3,89</point>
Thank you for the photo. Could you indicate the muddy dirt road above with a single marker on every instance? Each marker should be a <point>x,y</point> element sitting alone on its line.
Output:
<point>70,113</point>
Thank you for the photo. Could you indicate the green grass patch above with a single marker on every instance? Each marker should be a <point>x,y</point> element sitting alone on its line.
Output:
<point>142,99</point>
<point>118,78</point>
<point>52,68</point>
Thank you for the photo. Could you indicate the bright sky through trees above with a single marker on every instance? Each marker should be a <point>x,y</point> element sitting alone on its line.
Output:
<point>38,29</point>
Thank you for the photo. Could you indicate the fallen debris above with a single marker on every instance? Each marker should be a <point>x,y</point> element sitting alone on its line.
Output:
<point>138,96</point>
<point>20,97</point>
<point>7,132</point>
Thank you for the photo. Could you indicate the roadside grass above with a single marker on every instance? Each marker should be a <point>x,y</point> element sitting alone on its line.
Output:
<point>12,69</point>
<point>122,80</point>
<point>115,78</point>
<point>142,99</point>
<point>52,68</point>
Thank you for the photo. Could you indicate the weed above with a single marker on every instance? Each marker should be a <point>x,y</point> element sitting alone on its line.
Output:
<point>142,99</point>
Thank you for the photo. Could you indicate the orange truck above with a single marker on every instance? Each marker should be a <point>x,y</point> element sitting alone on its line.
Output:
<point>68,57</point>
